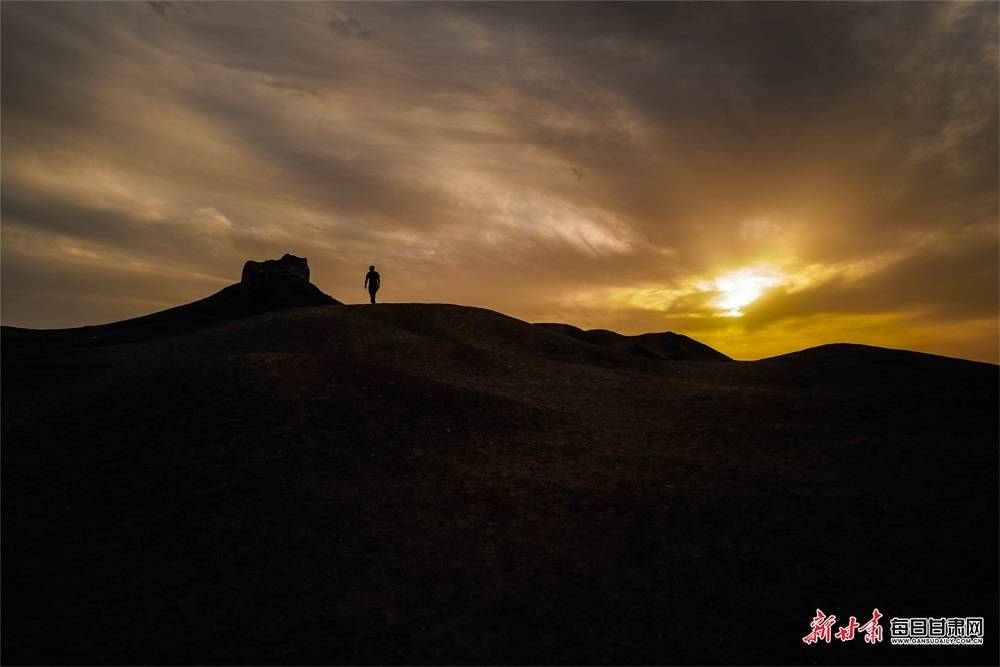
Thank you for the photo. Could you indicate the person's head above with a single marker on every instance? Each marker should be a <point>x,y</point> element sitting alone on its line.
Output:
<point>371,268</point>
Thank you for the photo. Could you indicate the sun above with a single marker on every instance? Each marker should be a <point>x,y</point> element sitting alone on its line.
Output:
<point>740,288</point>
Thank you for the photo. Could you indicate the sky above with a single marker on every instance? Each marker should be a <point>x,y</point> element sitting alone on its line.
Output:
<point>762,177</point>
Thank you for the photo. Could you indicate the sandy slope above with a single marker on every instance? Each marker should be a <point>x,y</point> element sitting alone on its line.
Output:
<point>432,483</point>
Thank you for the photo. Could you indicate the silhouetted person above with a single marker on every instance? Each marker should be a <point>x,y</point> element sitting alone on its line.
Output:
<point>372,281</point>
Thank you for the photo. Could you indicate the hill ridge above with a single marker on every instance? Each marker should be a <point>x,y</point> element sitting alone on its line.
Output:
<point>666,345</point>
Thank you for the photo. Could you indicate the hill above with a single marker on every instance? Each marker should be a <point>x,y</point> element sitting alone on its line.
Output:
<point>666,345</point>
<point>423,483</point>
<point>264,287</point>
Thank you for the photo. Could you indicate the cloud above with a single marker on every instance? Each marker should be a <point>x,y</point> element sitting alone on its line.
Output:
<point>587,162</point>
<point>349,27</point>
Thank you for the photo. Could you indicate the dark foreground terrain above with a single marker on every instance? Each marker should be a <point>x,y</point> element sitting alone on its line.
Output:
<point>431,483</point>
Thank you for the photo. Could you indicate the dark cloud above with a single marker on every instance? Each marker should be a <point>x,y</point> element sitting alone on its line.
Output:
<point>600,163</point>
<point>951,280</point>
<point>349,27</point>
<point>160,7</point>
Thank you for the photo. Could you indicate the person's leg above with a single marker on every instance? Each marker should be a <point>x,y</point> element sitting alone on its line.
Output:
<point>371,293</point>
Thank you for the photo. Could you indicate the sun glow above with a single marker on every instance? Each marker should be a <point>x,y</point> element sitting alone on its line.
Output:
<point>740,288</point>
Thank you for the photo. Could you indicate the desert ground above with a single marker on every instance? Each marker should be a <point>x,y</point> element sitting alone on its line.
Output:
<point>428,483</point>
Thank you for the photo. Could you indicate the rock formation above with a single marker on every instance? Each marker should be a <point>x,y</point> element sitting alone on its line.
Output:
<point>257,272</point>
<point>279,283</point>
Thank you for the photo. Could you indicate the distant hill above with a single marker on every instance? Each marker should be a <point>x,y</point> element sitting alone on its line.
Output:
<point>440,484</point>
<point>667,345</point>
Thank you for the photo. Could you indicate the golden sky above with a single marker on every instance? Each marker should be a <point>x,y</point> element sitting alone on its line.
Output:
<point>761,177</point>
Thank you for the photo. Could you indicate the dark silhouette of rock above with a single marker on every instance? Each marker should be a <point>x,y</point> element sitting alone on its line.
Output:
<point>667,345</point>
<point>272,269</point>
<point>278,283</point>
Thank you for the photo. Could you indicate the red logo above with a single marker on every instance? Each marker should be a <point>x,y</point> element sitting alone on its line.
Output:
<point>822,628</point>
